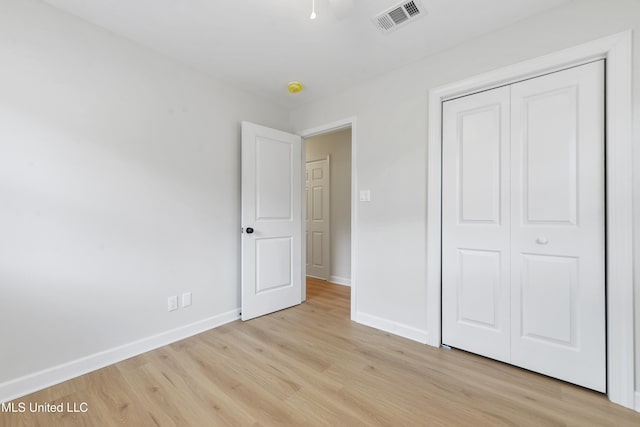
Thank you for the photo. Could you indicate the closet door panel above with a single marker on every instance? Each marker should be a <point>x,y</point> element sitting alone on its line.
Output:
<point>557,225</point>
<point>475,244</point>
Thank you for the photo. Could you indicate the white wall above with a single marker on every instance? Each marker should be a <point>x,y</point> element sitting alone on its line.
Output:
<point>338,146</point>
<point>119,186</point>
<point>391,114</point>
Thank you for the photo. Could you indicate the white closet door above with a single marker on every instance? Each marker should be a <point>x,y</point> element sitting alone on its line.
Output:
<point>523,238</point>
<point>557,225</point>
<point>475,224</point>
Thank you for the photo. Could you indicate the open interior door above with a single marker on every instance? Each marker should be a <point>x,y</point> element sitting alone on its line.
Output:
<point>271,220</point>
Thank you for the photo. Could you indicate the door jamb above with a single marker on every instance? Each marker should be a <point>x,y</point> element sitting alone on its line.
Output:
<point>349,122</point>
<point>616,49</point>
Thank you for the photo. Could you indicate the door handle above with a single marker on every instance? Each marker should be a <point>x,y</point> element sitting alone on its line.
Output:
<point>249,230</point>
<point>542,240</point>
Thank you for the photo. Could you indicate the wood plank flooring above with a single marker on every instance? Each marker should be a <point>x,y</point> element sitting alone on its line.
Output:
<point>311,366</point>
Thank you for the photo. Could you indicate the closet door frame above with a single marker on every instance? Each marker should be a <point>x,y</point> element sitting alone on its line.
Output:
<point>616,50</point>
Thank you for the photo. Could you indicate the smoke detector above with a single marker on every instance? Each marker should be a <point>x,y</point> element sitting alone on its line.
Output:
<point>399,15</point>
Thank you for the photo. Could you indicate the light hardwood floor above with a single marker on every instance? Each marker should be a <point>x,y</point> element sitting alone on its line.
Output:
<point>310,365</point>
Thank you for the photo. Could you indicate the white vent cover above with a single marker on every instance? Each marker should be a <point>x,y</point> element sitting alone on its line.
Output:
<point>399,15</point>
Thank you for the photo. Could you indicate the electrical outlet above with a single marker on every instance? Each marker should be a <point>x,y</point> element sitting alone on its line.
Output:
<point>186,299</point>
<point>172,303</point>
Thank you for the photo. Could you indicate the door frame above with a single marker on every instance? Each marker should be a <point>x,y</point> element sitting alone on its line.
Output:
<point>349,122</point>
<point>616,50</point>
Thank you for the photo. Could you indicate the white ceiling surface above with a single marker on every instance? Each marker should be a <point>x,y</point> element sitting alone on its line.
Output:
<point>261,45</point>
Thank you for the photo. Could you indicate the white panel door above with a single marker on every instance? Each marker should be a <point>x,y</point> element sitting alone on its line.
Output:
<point>271,220</point>
<point>523,238</point>
<point>557,225</point>
<point>475,224</point>
<point>318,218</point>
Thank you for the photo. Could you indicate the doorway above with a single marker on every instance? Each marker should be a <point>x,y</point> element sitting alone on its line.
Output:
<point>328,204</point>
<point>273,268</point>
<point>331,147</point>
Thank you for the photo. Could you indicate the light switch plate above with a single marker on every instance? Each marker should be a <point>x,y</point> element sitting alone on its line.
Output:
<point>186,299</point>
<point>172,303</point>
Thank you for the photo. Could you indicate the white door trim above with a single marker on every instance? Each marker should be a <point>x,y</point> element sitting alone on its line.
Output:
<point>333,126</point>
<point>616,49</point>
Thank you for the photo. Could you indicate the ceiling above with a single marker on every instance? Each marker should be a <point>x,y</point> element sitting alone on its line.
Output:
<point>261,45</point>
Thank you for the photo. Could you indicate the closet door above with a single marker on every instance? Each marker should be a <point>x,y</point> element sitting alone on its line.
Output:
<point>475,224</point>
<point>557,225</point>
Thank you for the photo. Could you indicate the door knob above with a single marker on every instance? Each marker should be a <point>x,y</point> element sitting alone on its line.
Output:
<point>249,230</point>
<point>542,240</point>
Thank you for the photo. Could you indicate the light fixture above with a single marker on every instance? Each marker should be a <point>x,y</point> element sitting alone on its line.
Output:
<point>294,87</point>
<point>313,9</point>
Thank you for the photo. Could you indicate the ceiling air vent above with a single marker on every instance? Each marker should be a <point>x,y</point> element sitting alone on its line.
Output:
<point>399,15</point>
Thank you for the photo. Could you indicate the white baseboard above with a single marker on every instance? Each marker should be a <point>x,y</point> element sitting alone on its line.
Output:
<point>340,280</point>
<point>638,401</point>
<point>31,383</point>
<point>392,327</point>
<point>334,279</point>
